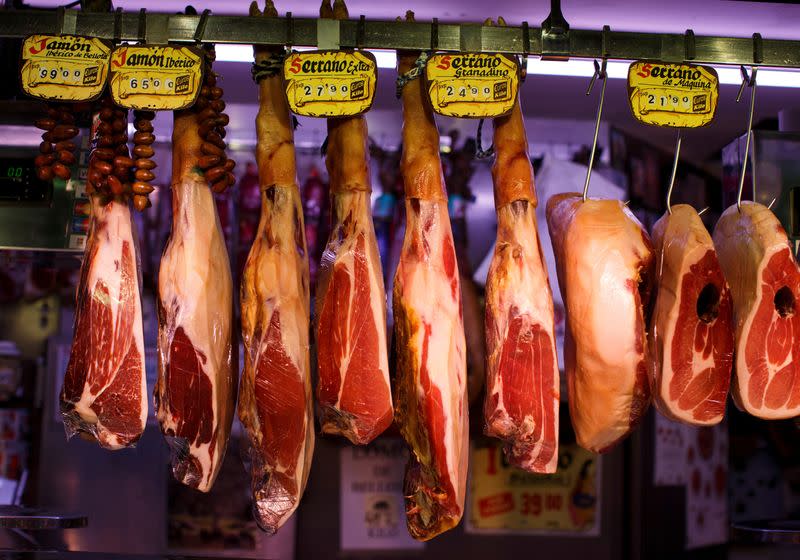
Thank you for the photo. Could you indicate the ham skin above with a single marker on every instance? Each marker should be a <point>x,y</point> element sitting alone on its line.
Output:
<point>604,263</point>
<point>691,329</point>
<point>757,261</point>
<point>430,393</point>
<point>522,388</point>
<point>275,401</point>
<point>104,386</point>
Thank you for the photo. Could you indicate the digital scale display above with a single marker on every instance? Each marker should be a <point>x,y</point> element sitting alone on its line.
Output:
<point>19,184</point>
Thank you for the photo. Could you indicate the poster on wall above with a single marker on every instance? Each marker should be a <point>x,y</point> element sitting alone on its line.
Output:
<point>669,463</point>
<point>505,499</point>
<point>706,485</point>
<point>372,504</point>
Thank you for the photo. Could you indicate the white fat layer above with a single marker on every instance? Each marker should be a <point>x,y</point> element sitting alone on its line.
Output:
<point>196,291</point>
<point>106,268</point>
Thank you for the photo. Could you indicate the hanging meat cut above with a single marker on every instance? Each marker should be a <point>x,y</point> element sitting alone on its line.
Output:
<point>757,261</point>
<point>275,402</point>
<point>353,394</point>
<point>522,389</point>
<point>104,386</point>
<point>691,331</point>
<point>604,262</point>
<point>430,392</point>
<point>196,392</point>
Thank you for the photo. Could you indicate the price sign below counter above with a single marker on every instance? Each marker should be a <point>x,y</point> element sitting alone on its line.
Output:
<point>64,67</point>
<point>155,77</point>
<point>673,95</point>
<point>472,85</point>
<point>330,83</point>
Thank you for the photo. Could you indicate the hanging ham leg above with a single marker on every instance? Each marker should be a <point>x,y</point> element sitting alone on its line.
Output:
<point>196,391</point>
<point>522,389</point>
<point>604,263</point>
<point>430,396</point>
<point>757,260</point>
<point>691,331</point>
<point>275,403</point>
<point>104,386</point>
<point>353,394</point>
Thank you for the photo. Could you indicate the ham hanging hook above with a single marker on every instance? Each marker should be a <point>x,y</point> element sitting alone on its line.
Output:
<point>747,80</point>
<point>674,171</point>
<point>599,73</point>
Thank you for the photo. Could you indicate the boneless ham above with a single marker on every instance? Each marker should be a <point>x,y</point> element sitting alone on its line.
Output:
<point>275,402</point>
<point>195,395</point>
<point>104,385</point>
<point>522,388</point>
<point>353,394</point>
<point>691,330</point>
<point>765,285</point>
<point>604,261</point>
<point>430,392</point>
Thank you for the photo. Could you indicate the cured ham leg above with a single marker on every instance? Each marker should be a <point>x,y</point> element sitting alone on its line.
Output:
<point>757,260</point>
<point>691,331</point>
<point>604,263</point>
<point>196,392</point>
<point>430,393</point>
<point>522,389</point>
<point>275,402</point>
<point>353,393</point>
<point>104,386</point>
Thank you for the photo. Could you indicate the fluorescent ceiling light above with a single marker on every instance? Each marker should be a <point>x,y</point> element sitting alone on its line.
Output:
<point>228,52</point>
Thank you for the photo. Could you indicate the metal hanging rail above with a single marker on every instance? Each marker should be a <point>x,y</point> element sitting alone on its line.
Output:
<point>554,43</point>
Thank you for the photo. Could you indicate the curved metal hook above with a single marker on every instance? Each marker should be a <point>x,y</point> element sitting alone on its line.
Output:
<point>599,72</point>
<point>751,82</point>
<point>201,26</point>
<point>674,171</point>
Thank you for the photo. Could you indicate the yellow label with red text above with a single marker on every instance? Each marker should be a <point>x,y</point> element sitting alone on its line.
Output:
<point>64,67</point>
<point>330,83</point>
<point>472,85</point>
<point>673,95</point>
<point>156,77</point>
<point>504,498</point>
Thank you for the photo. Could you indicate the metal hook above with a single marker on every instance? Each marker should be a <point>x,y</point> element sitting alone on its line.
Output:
<point>599,72</point>
<point>674,171</point>
<point>751,82</point>
<point>689,49</point>
<point>289,30</point>
<point>434,34</point>
<point>117,25</point>
<point>201,26</point>
<point>142,32</point>
<point>361,32</point>
<point>758,49</point>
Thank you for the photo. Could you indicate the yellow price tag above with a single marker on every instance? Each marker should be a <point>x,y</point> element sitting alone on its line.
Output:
<point>155,77</point>
<point>673,95</point>
<point>64,67</point>
<point>330,83</point>
<point>472,85</point>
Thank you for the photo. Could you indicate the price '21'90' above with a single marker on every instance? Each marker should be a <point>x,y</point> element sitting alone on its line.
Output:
<point>670,102</point>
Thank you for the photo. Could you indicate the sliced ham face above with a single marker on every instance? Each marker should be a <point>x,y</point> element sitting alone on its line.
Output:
<point>691,330</point>
<point>353,394</point>
<point>430,391</point>
<point>196,392</point>
<point>104,385</point>
<point>522,389</point>
<point>275,401</point>
<point>604,261</point>
<point>765,284</point>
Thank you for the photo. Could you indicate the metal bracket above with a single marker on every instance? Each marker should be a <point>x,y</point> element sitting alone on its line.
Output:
<point>758,49</point>
<point>361,32</point>
<point>289,30</point>
<point>328,37</point>
<point>555,34</point>
<point>471,38</point>
<point>200,31</point>
<point>435,34</point>
<point>117,26</point>
<point>689,47</point>
<point>67,21</point>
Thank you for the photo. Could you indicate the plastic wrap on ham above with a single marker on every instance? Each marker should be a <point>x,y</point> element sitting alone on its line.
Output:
<point>604,261</point>
<point>522,386</point>
<point>104,386</point>
<point>275,402</point>
<point>764,278</point>
<point>430,391</point>
<point>196,392</point>
<point>691,329</point>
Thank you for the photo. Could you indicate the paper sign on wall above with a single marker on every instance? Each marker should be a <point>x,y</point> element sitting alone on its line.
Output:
<point>64,67</point>
<point>673,95</point>
<point>155,77</point>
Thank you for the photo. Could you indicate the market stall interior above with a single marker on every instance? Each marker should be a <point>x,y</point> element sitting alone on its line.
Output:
<point>400,283</point>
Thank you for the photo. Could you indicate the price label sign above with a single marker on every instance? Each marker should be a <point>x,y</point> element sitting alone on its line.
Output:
<point>155,77</point>
<point>64,67</point>
<point>673,95</point>
<point>472,85</point>
<point>330,83</point>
